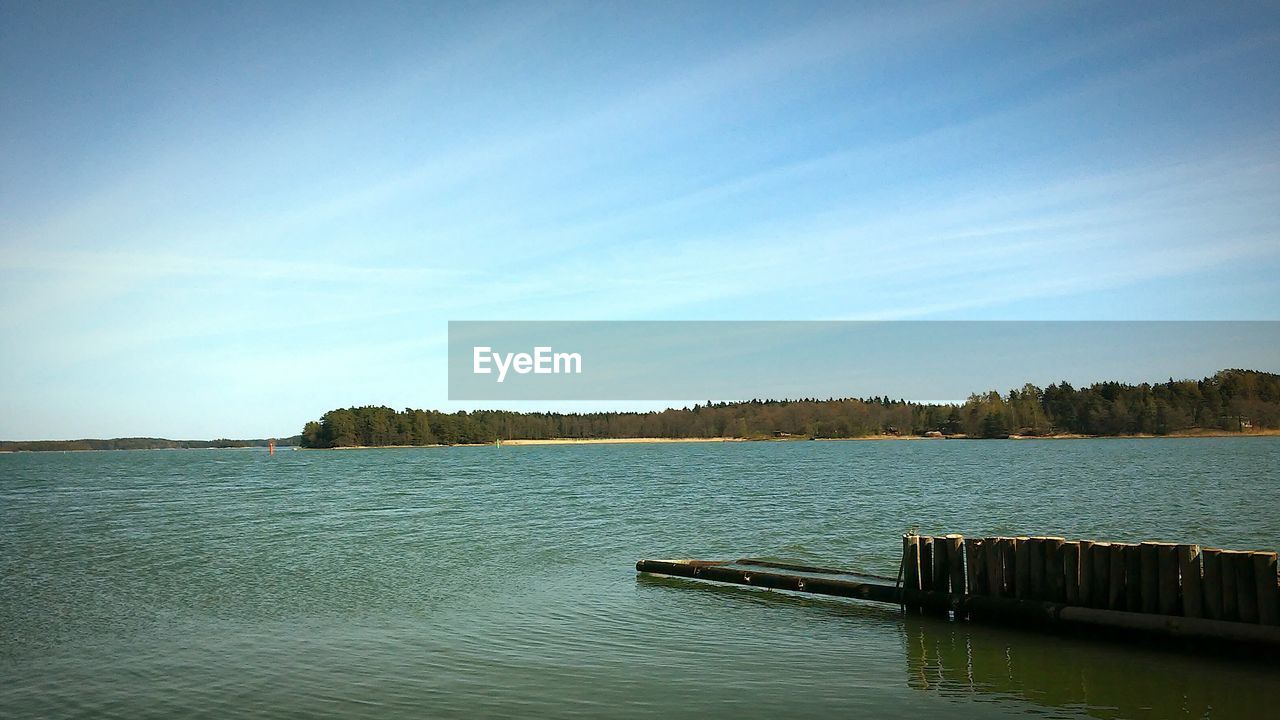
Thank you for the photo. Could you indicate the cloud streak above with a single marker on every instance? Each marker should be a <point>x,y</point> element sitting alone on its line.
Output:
<point>328,204</point>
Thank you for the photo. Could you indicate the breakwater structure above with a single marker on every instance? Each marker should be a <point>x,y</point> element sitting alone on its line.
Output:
<point>1155,588</point>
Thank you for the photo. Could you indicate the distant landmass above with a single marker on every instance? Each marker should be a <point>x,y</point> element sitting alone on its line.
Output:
<point>137,444</point>
<point>1230,401</point>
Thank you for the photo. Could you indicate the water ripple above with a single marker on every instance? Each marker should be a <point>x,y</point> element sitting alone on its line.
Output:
<point>470,582</point>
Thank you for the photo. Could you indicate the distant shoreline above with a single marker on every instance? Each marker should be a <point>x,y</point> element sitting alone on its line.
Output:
<point>645,441</point>
<point>144,443</point>
<point>865,438</point>
<point>144,449</point>
<point>1149,436</point>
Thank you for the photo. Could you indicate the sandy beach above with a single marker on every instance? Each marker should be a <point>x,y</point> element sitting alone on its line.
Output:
<point>618,441</point>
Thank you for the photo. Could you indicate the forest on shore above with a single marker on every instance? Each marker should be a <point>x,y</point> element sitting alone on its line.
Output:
<point>1229,401</point>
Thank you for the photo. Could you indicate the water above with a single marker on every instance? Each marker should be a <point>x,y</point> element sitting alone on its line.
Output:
<point>484,582</point>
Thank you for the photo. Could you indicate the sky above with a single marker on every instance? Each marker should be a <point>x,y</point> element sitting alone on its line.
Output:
<point>224,219</point>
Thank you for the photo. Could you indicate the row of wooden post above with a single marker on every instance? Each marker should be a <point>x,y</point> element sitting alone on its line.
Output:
<point>1149,577</point>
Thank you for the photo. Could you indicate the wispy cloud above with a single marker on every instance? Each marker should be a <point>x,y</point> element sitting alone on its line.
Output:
<point>551,161</point>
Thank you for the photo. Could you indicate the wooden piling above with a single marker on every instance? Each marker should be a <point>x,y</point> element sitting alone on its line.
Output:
<point>1218,593</point>
<point>1021,568</point>
<point>1007,548</point>
<point>1246,587</point>
<point>1230,607</point>
<point>1116,598</point>
<point>1148,558</point>
<point>1053,573</point>
<point>1132,578</point>
<point>1086,573</point>
<point>1264,576</point>
<point>1101,562</point>
<point>975,566</point>
<point>1035,568</point>
<point>926,563</point>
<point>941,570</point>
<point>842,584</point>
<point>1167,569</point>
<point>911,562</point>
<point>1211,584</point>
<point>955,563</point>
<point>995,567</point>
<point>1192,580</point>
<point>1070,554</point>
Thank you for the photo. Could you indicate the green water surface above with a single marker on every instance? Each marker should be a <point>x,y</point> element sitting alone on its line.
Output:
<point>486,582</point>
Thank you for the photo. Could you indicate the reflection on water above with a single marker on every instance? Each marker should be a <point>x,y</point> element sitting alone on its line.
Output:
<point>1101,677</point>
<point>1047,674</point>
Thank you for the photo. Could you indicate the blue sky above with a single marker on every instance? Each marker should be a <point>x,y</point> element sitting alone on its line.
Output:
<point>225,219</point>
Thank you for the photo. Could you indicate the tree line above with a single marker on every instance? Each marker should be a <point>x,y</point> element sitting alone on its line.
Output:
<point>1231,400</point>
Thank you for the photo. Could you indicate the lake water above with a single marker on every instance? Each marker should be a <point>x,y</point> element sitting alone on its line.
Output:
<point>486,582</point>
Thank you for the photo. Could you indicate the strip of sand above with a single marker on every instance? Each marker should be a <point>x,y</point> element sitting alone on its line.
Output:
<point>618,441</point>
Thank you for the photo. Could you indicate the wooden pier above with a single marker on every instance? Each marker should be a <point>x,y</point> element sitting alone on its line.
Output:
<point>1158,588</point>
